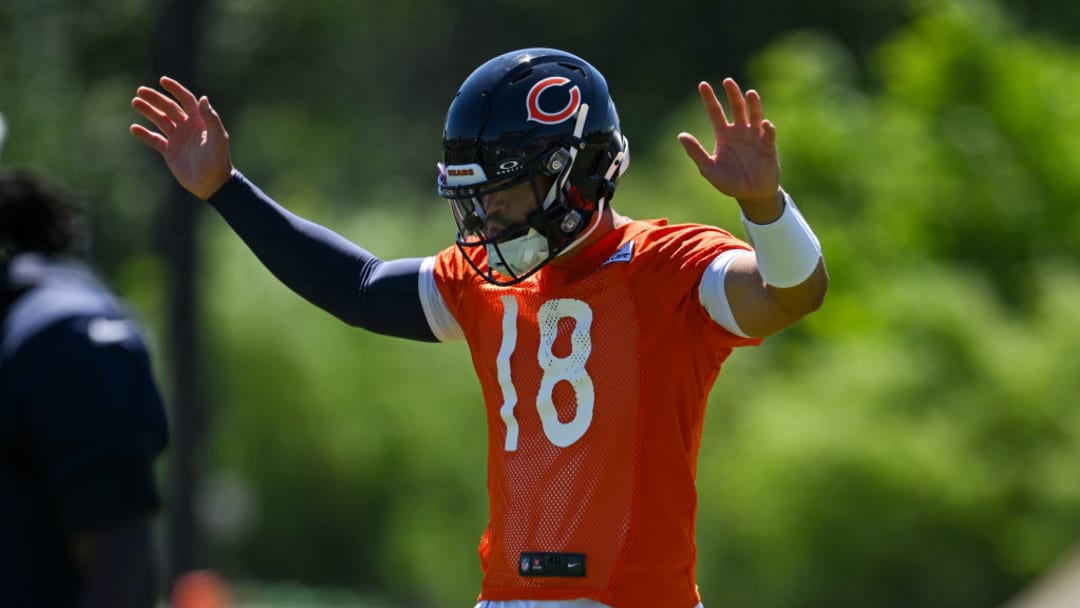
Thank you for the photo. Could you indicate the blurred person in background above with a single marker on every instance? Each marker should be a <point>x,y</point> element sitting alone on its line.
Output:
<point>596,338</point>
<point>81,419</point>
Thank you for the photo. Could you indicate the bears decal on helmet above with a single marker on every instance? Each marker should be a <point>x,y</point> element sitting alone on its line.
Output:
<point>552,118</point>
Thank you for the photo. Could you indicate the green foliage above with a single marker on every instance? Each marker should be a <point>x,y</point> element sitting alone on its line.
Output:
<point>65,86</point>
<point>921,461</point>
<point>957,158</point>
<point>914,450</point>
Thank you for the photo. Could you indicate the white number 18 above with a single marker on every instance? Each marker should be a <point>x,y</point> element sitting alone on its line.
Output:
<point>556,369</point>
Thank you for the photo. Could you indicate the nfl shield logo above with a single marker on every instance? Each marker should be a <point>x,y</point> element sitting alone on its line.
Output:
<point>525,564</point>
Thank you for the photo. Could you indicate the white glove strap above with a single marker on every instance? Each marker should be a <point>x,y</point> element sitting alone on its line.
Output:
<point>787,250</point>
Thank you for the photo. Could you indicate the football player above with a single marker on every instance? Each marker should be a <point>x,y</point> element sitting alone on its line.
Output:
<point>596,337</point>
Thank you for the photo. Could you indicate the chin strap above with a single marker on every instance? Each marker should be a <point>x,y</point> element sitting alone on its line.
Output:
<point>618,167</point>
<point>615,169</point>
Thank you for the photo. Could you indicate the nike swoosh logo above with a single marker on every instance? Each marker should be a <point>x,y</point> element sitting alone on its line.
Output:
<point>109,331</point>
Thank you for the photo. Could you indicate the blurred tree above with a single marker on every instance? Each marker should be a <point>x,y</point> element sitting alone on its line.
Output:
<point>176,50</point>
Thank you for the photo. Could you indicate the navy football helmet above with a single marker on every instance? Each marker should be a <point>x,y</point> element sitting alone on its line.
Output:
<point>534,115</point>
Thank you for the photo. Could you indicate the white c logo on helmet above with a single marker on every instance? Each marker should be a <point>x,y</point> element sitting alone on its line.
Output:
<point>552,118</point>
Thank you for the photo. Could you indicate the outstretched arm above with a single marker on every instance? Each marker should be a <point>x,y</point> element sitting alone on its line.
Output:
<point>320,265</point>
<point>324,267</point>
<point>785,279</point>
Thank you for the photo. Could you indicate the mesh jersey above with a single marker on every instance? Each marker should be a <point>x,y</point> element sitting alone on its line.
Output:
<point>595,376</point>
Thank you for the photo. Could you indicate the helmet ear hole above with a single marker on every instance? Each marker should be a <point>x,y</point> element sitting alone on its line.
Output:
<point>556,161</point>
<point>570,222</point>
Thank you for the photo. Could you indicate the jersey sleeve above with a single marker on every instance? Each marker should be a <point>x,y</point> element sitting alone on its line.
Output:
<point>712,291</point>
<point>679,258</point>
<point>454,280</point>
<point>441,320</point>
<point>96,418</point>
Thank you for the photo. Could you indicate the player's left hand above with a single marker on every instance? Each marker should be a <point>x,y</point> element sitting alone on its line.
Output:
<point>744,163</point>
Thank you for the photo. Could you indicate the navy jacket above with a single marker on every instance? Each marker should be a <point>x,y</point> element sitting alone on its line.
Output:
<point>81,424</point>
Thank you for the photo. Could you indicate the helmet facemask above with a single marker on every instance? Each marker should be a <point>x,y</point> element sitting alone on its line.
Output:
<point>518,250</point>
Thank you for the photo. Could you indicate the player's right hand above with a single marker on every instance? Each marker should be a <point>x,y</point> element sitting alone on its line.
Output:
<point>190,136</point>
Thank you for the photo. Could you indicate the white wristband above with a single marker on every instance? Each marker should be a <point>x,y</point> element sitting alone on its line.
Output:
<point>787,250</point>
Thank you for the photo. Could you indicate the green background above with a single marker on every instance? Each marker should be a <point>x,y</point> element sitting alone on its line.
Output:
<point>912,444</point>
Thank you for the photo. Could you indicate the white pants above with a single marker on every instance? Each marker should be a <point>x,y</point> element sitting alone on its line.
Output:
<point>546,604</point>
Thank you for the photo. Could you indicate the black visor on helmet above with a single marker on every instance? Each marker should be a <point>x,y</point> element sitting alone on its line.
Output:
<point>466,186</point>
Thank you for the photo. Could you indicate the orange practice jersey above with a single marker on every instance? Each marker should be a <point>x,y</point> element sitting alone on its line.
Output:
<point>595,377</point>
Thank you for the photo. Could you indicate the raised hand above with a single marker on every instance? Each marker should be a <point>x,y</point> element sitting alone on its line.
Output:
<point>190,136</point>
<point>744,163</point>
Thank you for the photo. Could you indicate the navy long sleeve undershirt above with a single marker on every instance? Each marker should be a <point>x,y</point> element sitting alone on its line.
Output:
<point>325,268</point>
